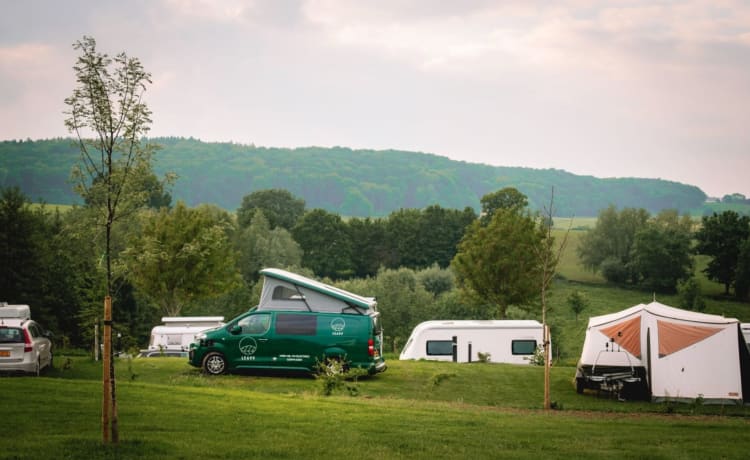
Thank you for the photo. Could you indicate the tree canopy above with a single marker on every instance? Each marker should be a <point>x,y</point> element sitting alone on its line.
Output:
<point>499,261</point>
<point>182,255</point>
<point>721,236</point>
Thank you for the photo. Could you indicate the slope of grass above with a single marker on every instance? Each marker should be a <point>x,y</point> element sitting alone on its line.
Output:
<point>414,410</point>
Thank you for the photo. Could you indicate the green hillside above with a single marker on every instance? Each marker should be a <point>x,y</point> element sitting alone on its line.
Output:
<point>347,182</point>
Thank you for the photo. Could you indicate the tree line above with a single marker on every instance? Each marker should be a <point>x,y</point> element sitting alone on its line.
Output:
<point>655,252</point>
<point>362,183</point>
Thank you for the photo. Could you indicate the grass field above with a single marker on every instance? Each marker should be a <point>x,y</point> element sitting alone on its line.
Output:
<point>414,410</point>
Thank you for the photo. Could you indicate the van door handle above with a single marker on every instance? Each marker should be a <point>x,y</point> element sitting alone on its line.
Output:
<point>262,340</point>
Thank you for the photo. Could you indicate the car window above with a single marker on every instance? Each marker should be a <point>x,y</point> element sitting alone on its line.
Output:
<point>255,324</point>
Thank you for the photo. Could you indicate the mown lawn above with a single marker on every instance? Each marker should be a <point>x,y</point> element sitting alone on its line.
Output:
<point>414,410</point>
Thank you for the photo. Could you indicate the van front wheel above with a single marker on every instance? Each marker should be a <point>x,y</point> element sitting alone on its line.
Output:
<point>214,364</point>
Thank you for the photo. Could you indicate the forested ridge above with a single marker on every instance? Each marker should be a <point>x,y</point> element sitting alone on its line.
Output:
<point>341,180</point>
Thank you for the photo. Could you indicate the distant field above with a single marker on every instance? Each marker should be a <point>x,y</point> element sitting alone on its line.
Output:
<point>421,410</point>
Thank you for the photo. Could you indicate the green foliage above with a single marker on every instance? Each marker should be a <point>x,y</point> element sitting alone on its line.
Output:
<point>608,246</point>
<point>721,236</point>
<point>334,375</point>
<point>259,246</point>
<point>742,274</point>
<point>347,182</point>
<point>577,302</point>
<point>437,280</point>
<point>499,261</point>
<point>280,207</point>
<point>325,243</point>
<point>689,293</point>
<point>661,252</point>
<point>181,255</point>
<point>506,198</point>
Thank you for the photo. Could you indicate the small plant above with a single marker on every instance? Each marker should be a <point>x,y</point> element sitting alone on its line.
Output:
<point>335,375</point>
<point>483,357</point>
<point>132,374</point>
<point>437,379</point>
<point>696,405</point>
<point>538,358</point>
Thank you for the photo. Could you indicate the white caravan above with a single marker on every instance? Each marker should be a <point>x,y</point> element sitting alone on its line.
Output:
<point>500,341</point>
<point>173,338</point>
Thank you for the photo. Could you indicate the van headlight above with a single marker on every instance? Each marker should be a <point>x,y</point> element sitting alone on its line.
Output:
<point>200,337</point>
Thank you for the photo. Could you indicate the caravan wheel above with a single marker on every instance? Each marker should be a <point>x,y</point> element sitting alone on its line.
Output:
<point>214,364</point>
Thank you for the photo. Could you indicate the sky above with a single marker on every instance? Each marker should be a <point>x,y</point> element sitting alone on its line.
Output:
<point>630,88</point>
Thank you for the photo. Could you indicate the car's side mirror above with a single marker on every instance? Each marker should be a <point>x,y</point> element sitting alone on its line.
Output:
<point>236,329</point>
<point>48,334</point>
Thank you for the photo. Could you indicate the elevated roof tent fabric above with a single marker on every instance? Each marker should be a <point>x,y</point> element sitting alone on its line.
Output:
<point>686,355</point>
<point>283,290</point>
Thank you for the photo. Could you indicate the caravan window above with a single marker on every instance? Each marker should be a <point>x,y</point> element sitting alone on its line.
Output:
<point>440,348</point>
<point>285,293</point>
<point>523,347</point>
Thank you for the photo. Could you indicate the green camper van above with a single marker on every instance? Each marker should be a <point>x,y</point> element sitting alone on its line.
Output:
<point>298,324</point>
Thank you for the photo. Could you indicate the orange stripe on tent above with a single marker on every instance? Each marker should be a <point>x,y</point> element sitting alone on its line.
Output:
<point>674,337</point>
<point>627,334</point>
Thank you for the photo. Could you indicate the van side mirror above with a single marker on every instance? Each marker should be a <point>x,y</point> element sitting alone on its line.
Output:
<point>236,329</point>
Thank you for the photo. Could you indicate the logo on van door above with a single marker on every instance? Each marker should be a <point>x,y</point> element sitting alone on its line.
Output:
<point>337,326</point>
<point>248,345</point>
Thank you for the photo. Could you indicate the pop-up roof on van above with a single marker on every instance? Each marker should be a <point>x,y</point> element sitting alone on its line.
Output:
<point>283,290</point>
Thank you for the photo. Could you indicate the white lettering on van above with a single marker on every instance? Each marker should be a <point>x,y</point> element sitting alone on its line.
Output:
<point>337,326</point>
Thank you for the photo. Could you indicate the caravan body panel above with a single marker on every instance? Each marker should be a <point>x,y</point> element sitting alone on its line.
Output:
<point>505,341</point>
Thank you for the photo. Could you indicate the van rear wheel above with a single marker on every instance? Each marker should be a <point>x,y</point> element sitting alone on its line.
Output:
<point>214,363</point>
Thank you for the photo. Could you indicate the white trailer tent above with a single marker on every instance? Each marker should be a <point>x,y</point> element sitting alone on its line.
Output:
<point>664,353</point>
<point>283,290</point>
<point>506,341</point>
<point>177,333</point>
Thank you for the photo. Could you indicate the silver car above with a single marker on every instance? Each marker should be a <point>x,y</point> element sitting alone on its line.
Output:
<point>24,346</point>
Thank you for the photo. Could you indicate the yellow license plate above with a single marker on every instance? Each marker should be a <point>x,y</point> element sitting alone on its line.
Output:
<point>4,353</point>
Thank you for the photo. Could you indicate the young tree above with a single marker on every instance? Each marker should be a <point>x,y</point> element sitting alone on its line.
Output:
<point>109,118</point>
<point>548,259</point>
<point>720,237</point>
<point>182,255</point>
<point>577,302</point>
<point>499,261</point>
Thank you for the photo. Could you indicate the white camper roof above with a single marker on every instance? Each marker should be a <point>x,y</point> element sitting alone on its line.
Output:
<point>191,320</point>
<point>14,311</point>
<point>309,294</point>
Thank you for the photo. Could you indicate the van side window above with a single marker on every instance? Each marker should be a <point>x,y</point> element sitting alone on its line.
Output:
<point>523,347</point>
<point>285,293</point>
<point>287,324</point>
<point>440,348</point>
<point>255,324</point>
